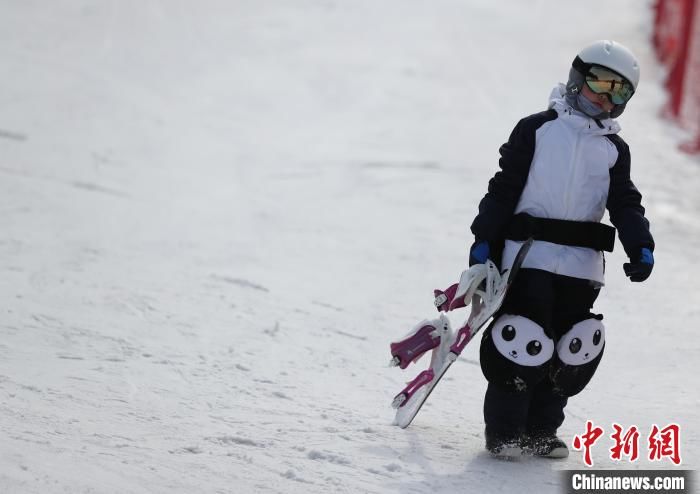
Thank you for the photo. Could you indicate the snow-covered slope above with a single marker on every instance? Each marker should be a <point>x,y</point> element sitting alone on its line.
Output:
<point>216,215</point>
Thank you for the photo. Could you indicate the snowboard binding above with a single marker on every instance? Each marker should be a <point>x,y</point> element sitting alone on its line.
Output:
<point>424,337</point>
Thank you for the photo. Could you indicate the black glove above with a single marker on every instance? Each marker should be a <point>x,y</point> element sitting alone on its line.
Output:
<point>641,268</point>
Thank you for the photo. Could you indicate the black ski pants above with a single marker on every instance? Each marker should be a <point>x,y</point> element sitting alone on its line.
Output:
<point>556,303</point>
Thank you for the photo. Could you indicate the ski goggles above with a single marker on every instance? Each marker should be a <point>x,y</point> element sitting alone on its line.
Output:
<point>604,81</point>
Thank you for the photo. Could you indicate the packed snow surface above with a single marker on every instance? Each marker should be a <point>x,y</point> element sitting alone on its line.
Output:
<point>216,215</point>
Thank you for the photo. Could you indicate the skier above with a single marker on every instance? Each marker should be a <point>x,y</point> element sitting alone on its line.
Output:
<point>560,170</point>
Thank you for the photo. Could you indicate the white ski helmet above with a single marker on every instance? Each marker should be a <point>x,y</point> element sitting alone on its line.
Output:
<point>609,54</point>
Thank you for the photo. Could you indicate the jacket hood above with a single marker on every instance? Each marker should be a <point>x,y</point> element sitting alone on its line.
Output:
<point>557,101</point>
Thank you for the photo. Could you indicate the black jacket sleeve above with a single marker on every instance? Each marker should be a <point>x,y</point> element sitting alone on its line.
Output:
<point>497,207</point>
<point>625,204</point>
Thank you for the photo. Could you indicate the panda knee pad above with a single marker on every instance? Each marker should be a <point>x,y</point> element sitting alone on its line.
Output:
<point>578,354</point>
<point>515,353</point>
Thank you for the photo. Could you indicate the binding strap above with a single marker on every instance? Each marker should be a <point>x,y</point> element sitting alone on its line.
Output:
<point>588,234</point>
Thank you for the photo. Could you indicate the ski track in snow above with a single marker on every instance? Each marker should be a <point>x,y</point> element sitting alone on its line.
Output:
<point>216,218</point>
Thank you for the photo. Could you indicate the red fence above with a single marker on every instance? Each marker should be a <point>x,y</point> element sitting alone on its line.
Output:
<point>677,43</point>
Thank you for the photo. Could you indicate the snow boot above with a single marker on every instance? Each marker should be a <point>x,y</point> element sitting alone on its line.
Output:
<point>546,446</point>
<point>504,447</point>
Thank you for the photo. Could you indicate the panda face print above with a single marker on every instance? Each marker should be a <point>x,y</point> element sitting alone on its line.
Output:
<point>522,341</point>
<point>583,342</point>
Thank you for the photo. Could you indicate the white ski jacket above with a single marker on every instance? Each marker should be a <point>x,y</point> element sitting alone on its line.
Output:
<point>561,164</point>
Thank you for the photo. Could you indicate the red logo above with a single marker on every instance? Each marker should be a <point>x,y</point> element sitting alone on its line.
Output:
<point>662,443</point>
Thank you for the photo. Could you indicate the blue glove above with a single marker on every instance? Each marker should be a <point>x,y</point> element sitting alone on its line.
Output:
<point>641,269</point>
<point>479,253</point>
